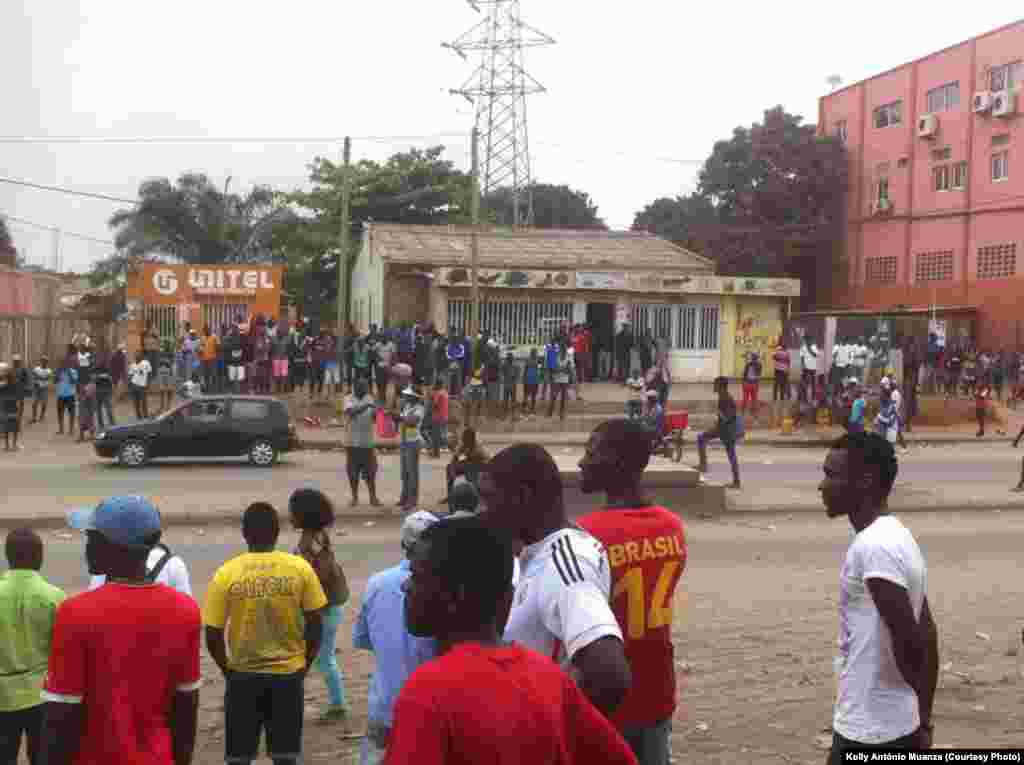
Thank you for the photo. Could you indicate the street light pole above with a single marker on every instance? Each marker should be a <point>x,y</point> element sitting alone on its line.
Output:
<point>343,242</point>
<point>474,212</point>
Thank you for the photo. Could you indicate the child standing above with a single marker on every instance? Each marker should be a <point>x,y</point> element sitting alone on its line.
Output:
<point>981,399</point>
<point>439,418</point>
<point>635,402</point>
<point>509,380</point>
<point>531,379</point>
<point>164,380</point>
<point>67,381</point>
<point>41,377</point>
<point>9,397</point>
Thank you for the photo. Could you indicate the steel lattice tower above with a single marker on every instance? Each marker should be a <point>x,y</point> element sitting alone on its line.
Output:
<point>498,88</point>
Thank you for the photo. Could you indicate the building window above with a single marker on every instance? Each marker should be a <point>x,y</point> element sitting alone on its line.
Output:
<point>960,176</point>
<point>889,114</point>
<point>882,189</point>
<point>841,131</point>
<point>941,174</point>
<point>902,162</point>
<point>1000,166</point>
<point>934,267</point>
<point>696,328</point>
<point>512,323</point>
<point>938,155</point>
<point>997,261</point>
<point>1006,76</point>
<point>881,269</point>
<point>944,98</point>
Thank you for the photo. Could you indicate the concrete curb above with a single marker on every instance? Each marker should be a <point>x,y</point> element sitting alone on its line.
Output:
<point>782,442</point>
<point>57,522</point>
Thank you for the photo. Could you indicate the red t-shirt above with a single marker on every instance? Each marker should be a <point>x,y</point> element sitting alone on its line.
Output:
<point>440,407</point>
<point>503,706</point>
<point>123,651</point>
<point>647,552</point>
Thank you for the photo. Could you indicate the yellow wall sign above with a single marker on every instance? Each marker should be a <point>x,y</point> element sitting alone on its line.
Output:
<point>758,328</point>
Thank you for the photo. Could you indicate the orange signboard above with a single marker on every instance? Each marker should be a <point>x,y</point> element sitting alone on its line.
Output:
<point>258,286</point>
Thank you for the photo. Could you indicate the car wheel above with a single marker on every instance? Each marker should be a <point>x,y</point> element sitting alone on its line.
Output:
<point>262,453</point>
<point>133,454</point>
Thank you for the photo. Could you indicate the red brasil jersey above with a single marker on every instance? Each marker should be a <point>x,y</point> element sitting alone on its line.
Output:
<point>501,706</point>
<point>122,652</point>
<point>647,552</point>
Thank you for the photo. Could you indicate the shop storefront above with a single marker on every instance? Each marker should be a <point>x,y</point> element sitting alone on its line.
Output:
<point>169,296</point>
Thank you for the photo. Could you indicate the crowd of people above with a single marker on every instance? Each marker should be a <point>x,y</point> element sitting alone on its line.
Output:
<point>506,632</point>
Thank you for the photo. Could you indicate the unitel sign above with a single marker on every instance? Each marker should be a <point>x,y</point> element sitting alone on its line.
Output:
<point>205,281</point>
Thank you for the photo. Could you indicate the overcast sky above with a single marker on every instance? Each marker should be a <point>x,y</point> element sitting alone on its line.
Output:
<point>633,88</point>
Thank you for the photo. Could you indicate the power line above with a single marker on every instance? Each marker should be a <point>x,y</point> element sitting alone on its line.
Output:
<point>73,192</point>
<point>59,230</point>
<point>224,140</point>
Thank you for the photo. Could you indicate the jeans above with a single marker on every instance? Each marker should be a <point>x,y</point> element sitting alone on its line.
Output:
<point>730,450</point>
<point>104,403</point>
<point>410,464</point>
<point>438,436</point>
<point>257,702</point>
<point>650,744</point>
<point>841,745</point>
<point>374,749</point>
<point>327,659</point>
<point>558,391</point>
<point>14,725</point>
<point>780,388</point>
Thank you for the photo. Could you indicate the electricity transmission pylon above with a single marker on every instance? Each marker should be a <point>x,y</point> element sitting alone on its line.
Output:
<point>498,88</point>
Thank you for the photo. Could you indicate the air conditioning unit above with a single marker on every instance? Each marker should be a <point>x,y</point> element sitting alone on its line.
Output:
<point>982,102</point>
<point>1004,104</point>
<point>927,126</point>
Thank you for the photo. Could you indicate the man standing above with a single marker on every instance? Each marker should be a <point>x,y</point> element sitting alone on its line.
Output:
<point>28,609</point>
<point>361,410</point>
<point>483,700</point>
<point>123,679</point>
<point>780,389</point>
<point>888,644</point>
<point>266,606</point>
<point>23,385</point>
<point>726,430</point>
<point>809,368</point>
<point>380,628</point>
<point>647,550</point>
<point>562,598</point>
<point>410,418</point>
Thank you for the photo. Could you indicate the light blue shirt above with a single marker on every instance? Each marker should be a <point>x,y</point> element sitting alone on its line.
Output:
<point>857,412</point>
<point>66,382</point>
<point>381,628</point>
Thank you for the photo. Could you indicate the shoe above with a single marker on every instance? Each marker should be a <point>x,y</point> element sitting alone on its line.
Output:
<point>354,503</point>
<point>734,485</point>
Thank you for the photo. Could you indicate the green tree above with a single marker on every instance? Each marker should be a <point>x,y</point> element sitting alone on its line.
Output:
<point>198,223</point>
<point>679,220</point>
<point>417,187</point>
<point>553,207</point>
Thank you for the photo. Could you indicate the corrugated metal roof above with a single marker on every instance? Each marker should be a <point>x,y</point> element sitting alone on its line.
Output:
<point>543,248</point>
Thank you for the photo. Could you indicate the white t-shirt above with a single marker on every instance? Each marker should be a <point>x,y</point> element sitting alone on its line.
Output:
<point>841,355</point>
<point>809,358</point>
<point>174,574</point>
<point>860,355</point>
<point>897,400</point>
<point>874,704</point>
<point>139,373</point>
<point>562,596</point>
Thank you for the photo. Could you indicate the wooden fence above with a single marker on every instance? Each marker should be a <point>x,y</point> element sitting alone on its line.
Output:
<point>34,336</point>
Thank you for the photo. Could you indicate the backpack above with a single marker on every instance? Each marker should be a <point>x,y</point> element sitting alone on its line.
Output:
<point>154,572</point>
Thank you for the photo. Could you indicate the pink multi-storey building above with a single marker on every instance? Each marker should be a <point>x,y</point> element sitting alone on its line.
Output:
<point>936,202</point>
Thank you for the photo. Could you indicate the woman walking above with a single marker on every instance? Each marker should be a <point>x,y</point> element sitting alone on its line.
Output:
<point>312,513</point>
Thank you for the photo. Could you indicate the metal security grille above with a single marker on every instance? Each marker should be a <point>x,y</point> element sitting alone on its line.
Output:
<point>164,318</point>
<point>513,323</point>
<point>216,315</point>
<point>653,319</point>
<point>696,328</point>
<point>708,339</point>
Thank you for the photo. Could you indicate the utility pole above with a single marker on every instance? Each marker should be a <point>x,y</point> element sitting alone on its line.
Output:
<point>343,242</point>
<point>474,213</point>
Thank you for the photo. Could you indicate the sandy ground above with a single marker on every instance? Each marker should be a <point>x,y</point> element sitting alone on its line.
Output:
<point>755,628</point>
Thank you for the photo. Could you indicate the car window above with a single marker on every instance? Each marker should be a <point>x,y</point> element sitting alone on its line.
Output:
<point>203,411</point>
<point>249,410</point>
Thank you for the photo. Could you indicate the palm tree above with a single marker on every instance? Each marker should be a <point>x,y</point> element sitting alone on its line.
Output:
<point>197,223</point>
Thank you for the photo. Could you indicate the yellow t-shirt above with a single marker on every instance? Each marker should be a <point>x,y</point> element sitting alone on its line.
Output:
<point>260,598</point>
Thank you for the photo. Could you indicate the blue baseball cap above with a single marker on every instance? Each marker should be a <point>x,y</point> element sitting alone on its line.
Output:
<point>126,521</point>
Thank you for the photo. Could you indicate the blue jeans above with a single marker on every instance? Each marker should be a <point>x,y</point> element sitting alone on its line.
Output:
<point>410,463</point>
<point>327,659</point>
<point>650,745</point>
